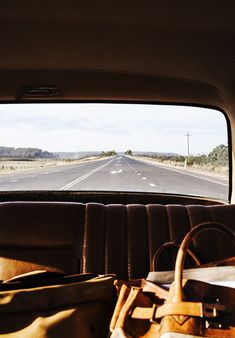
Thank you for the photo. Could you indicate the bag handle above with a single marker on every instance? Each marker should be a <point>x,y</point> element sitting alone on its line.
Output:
<point>178,306</point>
<point>155,259</point>
<point>178,297</point>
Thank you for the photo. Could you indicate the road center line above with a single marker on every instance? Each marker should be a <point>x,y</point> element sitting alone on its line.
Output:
<point>79,179</point>
<point>116,171</point>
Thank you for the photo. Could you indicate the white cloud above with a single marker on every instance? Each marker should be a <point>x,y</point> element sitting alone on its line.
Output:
<point>73,127</point>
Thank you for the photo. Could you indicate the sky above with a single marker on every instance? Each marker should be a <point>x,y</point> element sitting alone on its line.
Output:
<point>119,127</point>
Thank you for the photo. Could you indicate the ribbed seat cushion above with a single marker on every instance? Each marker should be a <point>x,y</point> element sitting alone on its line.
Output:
<point>98,238</point>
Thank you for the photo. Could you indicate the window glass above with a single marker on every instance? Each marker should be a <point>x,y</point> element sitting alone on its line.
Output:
<point>114,147</point>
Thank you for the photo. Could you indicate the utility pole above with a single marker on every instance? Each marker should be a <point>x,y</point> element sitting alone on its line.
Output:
<point>188,135</point>
<point>186,160</point>
<point>76,156</point>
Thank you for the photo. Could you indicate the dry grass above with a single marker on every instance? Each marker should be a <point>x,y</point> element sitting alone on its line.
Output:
<point>208,169</point>
<point>8,166</point>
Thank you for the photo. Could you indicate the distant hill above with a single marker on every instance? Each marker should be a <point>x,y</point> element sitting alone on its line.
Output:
<point>24,153</point>
<point>75,155</point>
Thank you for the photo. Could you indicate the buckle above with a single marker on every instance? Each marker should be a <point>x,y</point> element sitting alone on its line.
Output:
<point>214,310</point>
<point>213,325</point>
<point>152,319</point>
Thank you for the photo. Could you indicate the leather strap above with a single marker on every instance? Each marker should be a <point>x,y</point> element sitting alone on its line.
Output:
<point>155,259</point>
<point>195,309</point>
<point>184,247</point>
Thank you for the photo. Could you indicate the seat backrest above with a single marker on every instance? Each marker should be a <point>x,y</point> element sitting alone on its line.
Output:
<point>123,239</point>
<point>98,238</point>
<point>40,235</point>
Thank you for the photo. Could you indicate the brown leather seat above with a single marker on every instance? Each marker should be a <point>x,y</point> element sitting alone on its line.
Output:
<point>120,239</point>
<point>123,239</point>
<point>40,235</point>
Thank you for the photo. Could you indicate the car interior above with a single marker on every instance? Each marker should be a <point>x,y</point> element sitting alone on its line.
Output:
<point>125,52</point>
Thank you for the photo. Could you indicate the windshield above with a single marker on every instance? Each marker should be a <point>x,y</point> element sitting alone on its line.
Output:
<point>114,147</point>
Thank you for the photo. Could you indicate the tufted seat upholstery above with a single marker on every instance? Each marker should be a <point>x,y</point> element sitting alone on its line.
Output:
<point>92,237</point>
<point>123,239</point>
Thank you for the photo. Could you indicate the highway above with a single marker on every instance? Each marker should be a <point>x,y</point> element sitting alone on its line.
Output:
<point>120,173</point>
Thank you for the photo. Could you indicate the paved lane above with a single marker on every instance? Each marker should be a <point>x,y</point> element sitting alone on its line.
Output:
<point>170,180</point>
<point>119,173</point>
<point>53,178</point>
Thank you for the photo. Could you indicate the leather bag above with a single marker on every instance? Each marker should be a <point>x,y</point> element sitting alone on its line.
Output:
<point>167,249</point>
<point>194,308</point>
<point>143,294</point>
<point>140,293</point>
<point>42,305</point>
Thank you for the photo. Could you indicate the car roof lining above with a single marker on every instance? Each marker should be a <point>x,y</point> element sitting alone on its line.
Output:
<point>109,86</point>
<point>182,49</point>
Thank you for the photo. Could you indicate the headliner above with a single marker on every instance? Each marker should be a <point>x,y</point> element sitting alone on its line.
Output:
<point>161,51</point>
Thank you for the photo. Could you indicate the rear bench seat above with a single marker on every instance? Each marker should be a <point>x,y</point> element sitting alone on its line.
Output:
<point>121,239</point>
<point>40,236</point>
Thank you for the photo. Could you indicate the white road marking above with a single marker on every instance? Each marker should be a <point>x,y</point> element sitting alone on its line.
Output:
<point>139,174</point>
<point>116,171</point>
<point>144,178</point>
<point>184,173</point>
<point>199,177</point>
<point>14,180</point>
<point>79,179</point>
<point>152,185</point>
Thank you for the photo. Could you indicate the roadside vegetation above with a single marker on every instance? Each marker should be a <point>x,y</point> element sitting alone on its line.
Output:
<point>108,153</point>
<point>128,152</point>
<point>215,162</point>
<point>19,159</point>
<point>24,153</point>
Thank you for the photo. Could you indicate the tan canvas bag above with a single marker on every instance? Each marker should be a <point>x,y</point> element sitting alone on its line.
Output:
<point>69,307</point>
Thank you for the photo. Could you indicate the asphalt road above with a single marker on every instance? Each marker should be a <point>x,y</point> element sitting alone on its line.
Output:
<point>117,174</point>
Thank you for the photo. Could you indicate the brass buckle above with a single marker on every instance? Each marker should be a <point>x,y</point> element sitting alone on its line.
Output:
<point>152,319</point>
<point>210,324</point>
<point>213,310</point>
